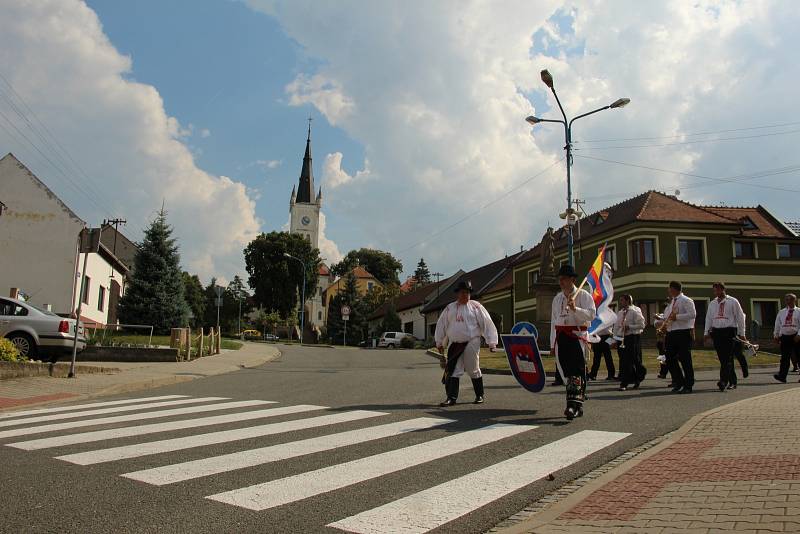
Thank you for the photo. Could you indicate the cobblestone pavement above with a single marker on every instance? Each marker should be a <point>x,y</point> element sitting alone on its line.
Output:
<point>28,391</point>
<point>736,469</point>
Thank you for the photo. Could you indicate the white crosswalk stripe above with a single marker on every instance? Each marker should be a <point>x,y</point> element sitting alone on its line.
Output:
<point>436,503</point>
<point>201,440</point>
<point>170,474</point>
<point>90,405</point>
<point>103,411</point>
<point>130,417</point>
<point>294,488</point>
<point>140,430</point>
<point>436,506</point>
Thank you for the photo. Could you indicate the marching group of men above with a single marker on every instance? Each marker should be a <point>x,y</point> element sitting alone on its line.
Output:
<point>463,323</point>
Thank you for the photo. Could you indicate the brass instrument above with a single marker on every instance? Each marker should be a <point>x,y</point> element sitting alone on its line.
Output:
<point>662,330</point>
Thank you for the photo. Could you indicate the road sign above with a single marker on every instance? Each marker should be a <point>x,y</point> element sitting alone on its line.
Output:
<point>345,313</point>
<point>219,290</point>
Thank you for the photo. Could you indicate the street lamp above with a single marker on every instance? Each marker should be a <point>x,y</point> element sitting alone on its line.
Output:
<point>547,78</point>
<point>303,303</point>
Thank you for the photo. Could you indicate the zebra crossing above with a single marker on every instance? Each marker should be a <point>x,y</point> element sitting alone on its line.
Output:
<point>51,429</point>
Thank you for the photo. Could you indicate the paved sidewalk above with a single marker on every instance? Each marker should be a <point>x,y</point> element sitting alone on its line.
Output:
<point>23,392</point>
<point>735,469</point>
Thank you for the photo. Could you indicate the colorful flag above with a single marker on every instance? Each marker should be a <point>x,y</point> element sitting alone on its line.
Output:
<point>599,282</point>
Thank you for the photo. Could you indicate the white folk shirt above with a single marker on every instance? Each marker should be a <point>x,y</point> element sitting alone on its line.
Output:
<point>686,313</point>
<point>581,316</point>
<point>630,321</point>
<point>460,323</point>
<point>725,313</point>
<point>788,322</point>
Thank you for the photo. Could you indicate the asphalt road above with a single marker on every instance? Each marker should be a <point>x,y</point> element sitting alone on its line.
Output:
<point>39,493</point>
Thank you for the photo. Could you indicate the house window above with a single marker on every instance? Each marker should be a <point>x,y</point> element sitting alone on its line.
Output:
<point>764,313</point>
<point>319,315</point>
<point>611,257</point>
<point>369,286</point>
<point>789,250</point>
<point>408,328</point>
<point>744,249</point>
<point>748,223</point>
<point>643,252</point>
<point>101,298</point>
<point>87,283</point>
<point>533,278</point>
<point>690,252</point>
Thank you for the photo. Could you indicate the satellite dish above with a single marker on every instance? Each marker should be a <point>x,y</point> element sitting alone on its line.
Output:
<point>677,192</point>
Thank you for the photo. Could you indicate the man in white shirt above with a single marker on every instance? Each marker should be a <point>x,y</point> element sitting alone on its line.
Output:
<point>627,334</point>
<point>462,323</point>
<point>787,327</point>
<point>602,351</point>
<point>572,311</point>
<point>724,325</point>
<point>679,318</point>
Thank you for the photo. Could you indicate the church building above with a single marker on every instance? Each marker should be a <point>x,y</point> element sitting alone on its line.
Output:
<point>304,211</point>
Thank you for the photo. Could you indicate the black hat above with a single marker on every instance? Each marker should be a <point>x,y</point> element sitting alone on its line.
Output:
<point>465,285</point>
<point>567,270</point>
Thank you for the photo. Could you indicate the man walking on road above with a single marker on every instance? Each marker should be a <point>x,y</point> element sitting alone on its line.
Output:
<point>628,331</point>
<point>724,325</point>
<point>787,326</point>
<point>462,323</point>
<point>679,325</point>
<point>602,350</point>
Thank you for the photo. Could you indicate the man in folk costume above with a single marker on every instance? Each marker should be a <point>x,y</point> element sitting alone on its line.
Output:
<point>679,319</point>
<point>573,310</point>
<point>724,325</point>
<point>602,350</point>
<point>787,328</point>
<point>462,323</point>
<point>628,332</point>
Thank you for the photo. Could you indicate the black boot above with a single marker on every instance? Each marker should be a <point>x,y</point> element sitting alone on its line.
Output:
<point>477,385</point>
<point>451,388</point>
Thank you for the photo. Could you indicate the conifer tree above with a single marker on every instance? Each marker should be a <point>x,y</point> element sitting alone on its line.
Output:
<point>422,275</point>
<point>155,293</point>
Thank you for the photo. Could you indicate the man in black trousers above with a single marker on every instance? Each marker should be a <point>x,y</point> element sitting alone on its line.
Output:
<point>787,330</point>
<point>602,350</point>
<point>679,323</point>
<point>724,326</point>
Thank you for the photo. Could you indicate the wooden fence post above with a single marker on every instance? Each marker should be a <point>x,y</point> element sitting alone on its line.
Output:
<point>188,344</point>
<point>200,348</point>
<point>219,341</point>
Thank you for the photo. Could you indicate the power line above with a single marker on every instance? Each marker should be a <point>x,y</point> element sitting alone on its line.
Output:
<point>678,136</point>
<point>787,132</point>
<point>738,179</point>
<point>476,212</point>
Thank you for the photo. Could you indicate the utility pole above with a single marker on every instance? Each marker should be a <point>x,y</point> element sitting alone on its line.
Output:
<point>115,223</point>
<point>438,276</point>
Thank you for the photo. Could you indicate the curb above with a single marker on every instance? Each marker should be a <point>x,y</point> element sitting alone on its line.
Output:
<point>556,509</point>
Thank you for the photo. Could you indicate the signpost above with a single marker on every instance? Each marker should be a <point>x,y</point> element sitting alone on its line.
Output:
<point>89,242</point>
<point>345,318</point>
<point>219,290</point>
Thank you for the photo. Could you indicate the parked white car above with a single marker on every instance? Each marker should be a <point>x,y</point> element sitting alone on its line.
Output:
<point>391,340</point>
<point>35,331</point>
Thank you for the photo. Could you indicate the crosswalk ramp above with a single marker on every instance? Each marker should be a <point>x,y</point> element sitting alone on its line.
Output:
<point>116,433</point>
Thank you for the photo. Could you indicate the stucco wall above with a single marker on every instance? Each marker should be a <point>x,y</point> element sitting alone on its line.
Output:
<point>100,273</point>
<point>38,239</point>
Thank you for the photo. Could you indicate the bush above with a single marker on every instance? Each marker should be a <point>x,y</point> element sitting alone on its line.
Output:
<point>8,351</point>
<point>407,343</point>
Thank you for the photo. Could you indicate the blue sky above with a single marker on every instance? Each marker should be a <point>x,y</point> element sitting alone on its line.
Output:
<point>419,139</point>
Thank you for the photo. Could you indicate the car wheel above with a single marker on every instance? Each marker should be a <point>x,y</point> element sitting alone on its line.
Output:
<point>390,346</point>
<point>25,345</point>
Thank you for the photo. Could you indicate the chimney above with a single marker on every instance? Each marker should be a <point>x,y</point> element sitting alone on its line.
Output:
<point>14,294</point>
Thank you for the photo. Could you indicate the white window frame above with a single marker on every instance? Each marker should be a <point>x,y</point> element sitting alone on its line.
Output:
<point>614,262</point>
<point>704,251</point>
<point>656,245</point>
<point>778,251</point>
<point>755,249</point>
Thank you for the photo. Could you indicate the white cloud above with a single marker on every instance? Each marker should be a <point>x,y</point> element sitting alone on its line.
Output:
<point>269,163</point>
<point>333,175</point>
<point>437,92</point>
<point>205,132</point>
<point>56,55</point>
<point>327,248</point>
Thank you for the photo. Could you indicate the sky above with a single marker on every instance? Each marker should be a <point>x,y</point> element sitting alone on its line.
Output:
<point>419,138</point>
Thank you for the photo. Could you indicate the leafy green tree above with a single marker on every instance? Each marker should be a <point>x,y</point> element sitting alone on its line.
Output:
<point>234,296</point>
<point>422,275</point>
<point>380,295</point>
<point>382,265</point>
<point>357,323</point>
<point>277,280</point>
<point>155,293</point>
<point>391,321</point>
<point>195,297</point>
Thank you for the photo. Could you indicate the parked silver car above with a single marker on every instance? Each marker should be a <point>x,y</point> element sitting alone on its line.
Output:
<point>35,331</point>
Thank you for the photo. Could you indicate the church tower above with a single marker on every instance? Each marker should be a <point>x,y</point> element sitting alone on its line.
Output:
<point>304,205</point>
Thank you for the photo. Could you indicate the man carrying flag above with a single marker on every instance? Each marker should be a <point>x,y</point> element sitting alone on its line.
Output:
<point>572,312</point>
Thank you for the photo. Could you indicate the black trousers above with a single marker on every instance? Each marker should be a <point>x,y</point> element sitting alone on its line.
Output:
<point>573,365</point>
<point>789,353</point>
<point>725,346</point>
<point>738,354</point>
<point>678,349</point>
<point>602,351</point>
<point>631,368</point>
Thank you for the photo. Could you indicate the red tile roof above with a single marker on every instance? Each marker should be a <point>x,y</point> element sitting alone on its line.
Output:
<point>361,272</point>
<point>765,225</point>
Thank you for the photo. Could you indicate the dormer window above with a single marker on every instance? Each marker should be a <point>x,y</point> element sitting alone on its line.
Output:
<point>748,223</point>
<point>600,218</point>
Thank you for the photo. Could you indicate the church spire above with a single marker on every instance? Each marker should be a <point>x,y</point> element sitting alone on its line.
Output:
<point>305,190</point>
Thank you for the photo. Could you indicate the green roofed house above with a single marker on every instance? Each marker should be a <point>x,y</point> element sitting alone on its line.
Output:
<point>654,238</point>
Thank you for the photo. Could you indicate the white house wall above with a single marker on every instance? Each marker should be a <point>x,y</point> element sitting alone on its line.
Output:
<point>100,274</point>
<point>38,239</point>
<point>413,315</point>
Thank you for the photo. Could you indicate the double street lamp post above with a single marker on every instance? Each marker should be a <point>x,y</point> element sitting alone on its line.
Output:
<point>547,78</point>
<point>303,303</point>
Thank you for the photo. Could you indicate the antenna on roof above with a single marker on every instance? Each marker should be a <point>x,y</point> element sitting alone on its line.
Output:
<point>677,192</point>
